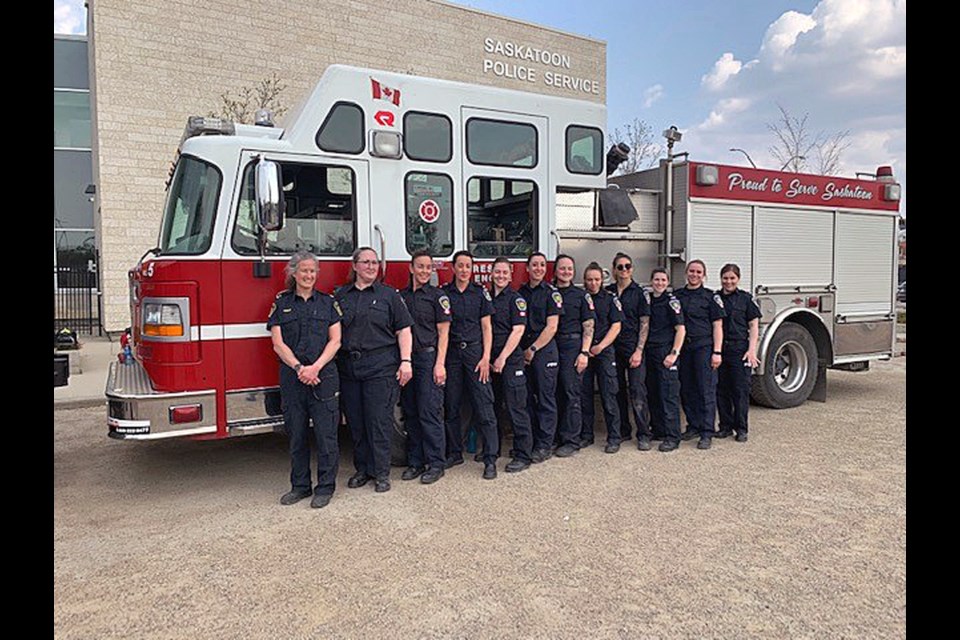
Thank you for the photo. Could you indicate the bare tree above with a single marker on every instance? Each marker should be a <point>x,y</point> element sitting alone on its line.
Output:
<point>829,151</point>
<point>796,144</point>
<point>242,106</point>
<point>644,151</point>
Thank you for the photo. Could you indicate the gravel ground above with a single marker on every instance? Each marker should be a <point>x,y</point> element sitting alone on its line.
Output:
<point>799,533</point>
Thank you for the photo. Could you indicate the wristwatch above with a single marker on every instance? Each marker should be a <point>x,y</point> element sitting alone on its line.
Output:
<point>718,353</point>
<point>297,367</point>
<point>533,348</point>
<point>585,353</point>
<point>406,360</point>
<point>674,352</point>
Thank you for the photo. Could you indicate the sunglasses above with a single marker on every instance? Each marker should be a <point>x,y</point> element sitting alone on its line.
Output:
<point>624,266</point>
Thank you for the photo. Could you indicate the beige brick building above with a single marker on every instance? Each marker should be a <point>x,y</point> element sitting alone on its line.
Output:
<point>155,63</point>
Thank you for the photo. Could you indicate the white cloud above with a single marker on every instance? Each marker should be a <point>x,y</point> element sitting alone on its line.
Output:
<point>652,94</point>
<point>843,64</point>
<point>723,69</point>
<point>69,16</point>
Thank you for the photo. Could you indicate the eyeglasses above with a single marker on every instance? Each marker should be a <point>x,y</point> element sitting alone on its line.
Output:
<point>367,263</point>
<point>624,266</point>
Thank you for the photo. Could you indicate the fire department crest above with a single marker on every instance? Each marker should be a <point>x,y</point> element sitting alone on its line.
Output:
<point>557,299</point>
<point>646,296</point>
<point>486,294</point>
<point>675,305</point>
<point>521,304</point>
<point>589,300</point>
<point>273,307</point>
<point>336,306</point>
<point>445,304</point>
<point>718,300</point>
<point>616,303</point>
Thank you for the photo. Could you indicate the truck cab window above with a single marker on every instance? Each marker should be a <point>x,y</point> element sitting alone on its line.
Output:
<point>427,137</point>
<point>191,208</point>
<point>584,150</point>
<point>429,213</point>
<point>501,144</point>
<point>501,216</point>
<point>320,212</point>
<point>342,130</point>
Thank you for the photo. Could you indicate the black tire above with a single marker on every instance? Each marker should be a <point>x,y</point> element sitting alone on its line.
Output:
<point>789,369</point>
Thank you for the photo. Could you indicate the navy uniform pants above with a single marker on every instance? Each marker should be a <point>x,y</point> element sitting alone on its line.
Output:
<point>663,385</point>
<point>510,393</point>
<point>733,389</point>
<point>462,380</point>
<point>632,394</point>
<point>319,403</point>
<point>422,402</point>
<point>569,391</point>
<point>542,395</point>
<point>603,369</point>
<point>698,387</point>
<point>369,405</point>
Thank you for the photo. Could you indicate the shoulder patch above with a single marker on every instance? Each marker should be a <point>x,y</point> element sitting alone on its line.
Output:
<point>616,303</point>
<point>521,304</point>
<point>486,294</point>
<point>718,300</point>
<point>675,305</point>
<point>273,307</point>
<point>557,299</point>
<point>336,307</point>
<point>589,300</point>
<point>444,304</point>
<point>646,296</point>
<point>279,293</point>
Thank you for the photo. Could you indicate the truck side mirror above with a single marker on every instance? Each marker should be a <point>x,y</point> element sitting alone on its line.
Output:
<point>269,197</point>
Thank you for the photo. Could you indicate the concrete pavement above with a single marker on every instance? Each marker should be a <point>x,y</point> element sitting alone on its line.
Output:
<point>88,376</point>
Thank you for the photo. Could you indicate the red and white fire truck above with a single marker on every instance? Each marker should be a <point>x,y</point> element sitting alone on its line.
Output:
<point>401,163</point>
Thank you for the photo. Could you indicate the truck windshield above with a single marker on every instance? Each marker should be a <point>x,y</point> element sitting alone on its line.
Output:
<point>191,208</point>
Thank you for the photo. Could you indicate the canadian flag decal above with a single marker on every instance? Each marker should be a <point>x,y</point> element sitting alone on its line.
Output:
<point>383,92</point>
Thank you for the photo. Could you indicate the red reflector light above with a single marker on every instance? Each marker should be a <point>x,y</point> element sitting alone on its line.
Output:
<point>813,302</point>
<point>186,413</point>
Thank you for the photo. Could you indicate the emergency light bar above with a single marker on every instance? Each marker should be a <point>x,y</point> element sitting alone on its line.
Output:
<point>202,125</point>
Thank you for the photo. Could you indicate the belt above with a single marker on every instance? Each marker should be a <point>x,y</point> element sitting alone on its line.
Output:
<point>464,345</point>
<point>569,335</point>
<point>425,350</point>
<point>356,355</point>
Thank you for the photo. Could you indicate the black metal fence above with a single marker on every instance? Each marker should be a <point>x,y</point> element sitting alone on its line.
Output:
<point>77,298</point>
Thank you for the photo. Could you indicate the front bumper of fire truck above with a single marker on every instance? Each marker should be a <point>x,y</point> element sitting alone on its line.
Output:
<point>136,411</point>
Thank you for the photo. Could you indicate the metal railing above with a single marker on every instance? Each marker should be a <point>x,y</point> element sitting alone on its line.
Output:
<point>77,299</point>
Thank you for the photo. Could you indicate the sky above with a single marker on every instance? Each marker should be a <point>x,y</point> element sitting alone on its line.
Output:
<point>718,70</point>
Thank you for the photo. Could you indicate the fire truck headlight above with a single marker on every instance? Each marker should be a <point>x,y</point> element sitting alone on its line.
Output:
<point>162,320</point>
<point>891,192</point>
<point>707,175</point>
<point>386,144</point>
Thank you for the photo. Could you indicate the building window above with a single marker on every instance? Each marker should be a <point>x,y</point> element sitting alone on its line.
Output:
<point>584,150</point>
<point>320,212</point>
<point>429,213</point>
<point>501,144</point>
<point>427,137</point>
<point>342,131</point>
<point>501,217</point>
<point>71,119</point>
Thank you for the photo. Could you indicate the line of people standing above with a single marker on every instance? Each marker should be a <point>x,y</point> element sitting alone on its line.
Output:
<point>529,356</point>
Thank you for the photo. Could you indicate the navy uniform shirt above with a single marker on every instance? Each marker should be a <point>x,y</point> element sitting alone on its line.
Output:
<point>509,310</point>
<point>609,310</point>
<point>636,304</point>
<point>666,312</point>
<point>304,324</point>
<point>543,301</point>
<point>469,306</point>
<point>429,306</point>
<point>701,306</point>
<point>577,309</point>
<point>371,316</point>
<point>741,308</point>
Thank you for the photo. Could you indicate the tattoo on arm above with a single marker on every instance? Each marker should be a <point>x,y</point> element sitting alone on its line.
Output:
<point>588,330</point>
<point>644,329</point>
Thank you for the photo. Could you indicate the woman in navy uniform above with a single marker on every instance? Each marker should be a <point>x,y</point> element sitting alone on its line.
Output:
<point>602,366</point>
<point>545,306</point>
<point>628,350</point>
<point>509,381</point>
<point>468,364</point>
<point>374,362</point>
<point>304,326</point>
<point>703,316</point>
<point>422,399</point>
<point>574,339</point>
<point>741,327</point>
<point>664,342</point>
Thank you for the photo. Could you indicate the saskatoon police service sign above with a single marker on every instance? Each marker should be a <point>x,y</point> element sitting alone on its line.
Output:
<point>508,59</point>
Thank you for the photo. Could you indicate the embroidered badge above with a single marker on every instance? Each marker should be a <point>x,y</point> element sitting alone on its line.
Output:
<point>486,294</point>
<point>521,304</point>
<point>558,299</point>
<point>675,305</point>
<point>336,306</point>
<point>616,303</point>
<point>718,300</point>
<point>273,308</point>
<point>646,296</point>
<point>589,300</point>
<point>445,303</point>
